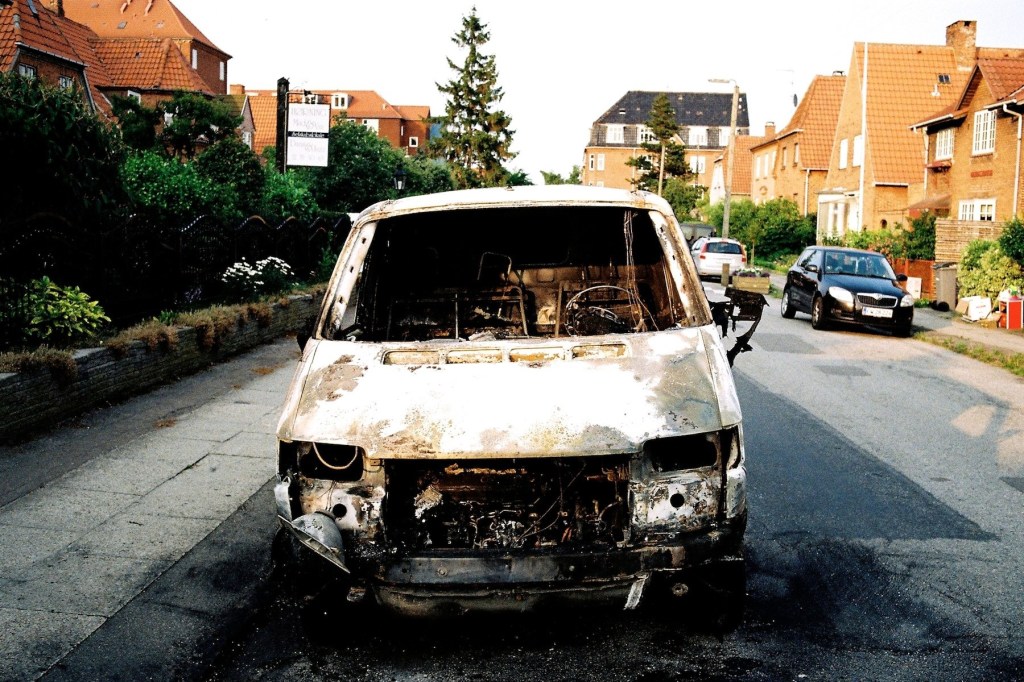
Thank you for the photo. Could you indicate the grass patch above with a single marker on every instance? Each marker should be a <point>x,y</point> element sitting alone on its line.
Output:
<point>1012,362</point>
<point>156,335</point>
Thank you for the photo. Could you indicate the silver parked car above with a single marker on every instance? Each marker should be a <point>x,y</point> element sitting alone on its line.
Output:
<point>513,396</point>
<point>711,253</point>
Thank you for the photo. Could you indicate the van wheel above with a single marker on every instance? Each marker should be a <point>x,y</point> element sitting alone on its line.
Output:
<point>788,311</point>
<point>818,313</point>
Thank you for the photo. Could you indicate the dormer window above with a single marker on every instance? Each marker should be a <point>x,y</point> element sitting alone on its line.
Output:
<point>310,98</point>
<point>616,134</point>
<point>943,79</point>
<point>131,94</point>
<point>195,58</point>
<point>339,100</point>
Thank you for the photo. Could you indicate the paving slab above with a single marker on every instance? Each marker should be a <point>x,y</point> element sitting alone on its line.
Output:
<point>22,547</point>
<point>250,444</point>
<point>74,582</point>
<point>135,473</point>
<point>213,488</point>
<point>145,536</point>
<point>65,508</point>
<point>34,640</point>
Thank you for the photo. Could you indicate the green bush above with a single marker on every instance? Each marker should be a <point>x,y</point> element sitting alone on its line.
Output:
<point>63,315</point>
<point>920,241</point>
<point>985,270</point>
<point>172,192</point>
<point>1011,241</point>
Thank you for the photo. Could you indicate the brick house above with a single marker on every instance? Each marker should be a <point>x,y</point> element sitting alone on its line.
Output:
<point>239,105</point>
<point>151,47</point>
<point>406,127</point>
<point>972,157</point>
<point>742,167</point>
<point>38,43</point>
<point>876,157</point>
<point>793,163</point>
<point>616,136</point>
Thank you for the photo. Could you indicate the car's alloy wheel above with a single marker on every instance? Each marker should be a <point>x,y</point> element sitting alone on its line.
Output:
<point>788,311</point>
<point>818,313</point>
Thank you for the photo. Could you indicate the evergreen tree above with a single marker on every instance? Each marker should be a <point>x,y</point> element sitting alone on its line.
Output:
<point>671,156</point>
<point>475,136</point>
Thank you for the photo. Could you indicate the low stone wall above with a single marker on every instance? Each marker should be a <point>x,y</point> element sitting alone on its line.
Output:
<point>32,400</point>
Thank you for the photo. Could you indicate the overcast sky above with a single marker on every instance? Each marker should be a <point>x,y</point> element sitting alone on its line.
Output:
<point>563,63</point>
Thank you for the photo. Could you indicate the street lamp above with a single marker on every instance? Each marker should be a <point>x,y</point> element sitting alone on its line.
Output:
<point>400,178</point>
<point>731,151</point>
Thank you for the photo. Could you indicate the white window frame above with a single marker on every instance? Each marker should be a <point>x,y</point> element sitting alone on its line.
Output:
<point>65,82</point>
<point>27,71</point>
<point>785,156</point>
<point>984,132</point>
<point>195,58</point>
<point>373,124</point>
<point>310,98</point>
<point>414,142</point>
<point>858,151</point>
<point>723,136</point>
<point>591,162</point>
<point>645,135</point>
<point>796,153</point>
<point>844,151</point>
<point>247,138</point>
<point>339,100</point>
<point>978,210</point>
<point>600,162</point>
<point>944,144</point>
<point>131,94</point>
<point>697,136</point>
<point>698,164</point>
<point>615,134</point>
<point>223,69</point>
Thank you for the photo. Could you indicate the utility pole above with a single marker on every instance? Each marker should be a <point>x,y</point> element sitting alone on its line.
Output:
<point>731,151</point>
<point>282,123</point>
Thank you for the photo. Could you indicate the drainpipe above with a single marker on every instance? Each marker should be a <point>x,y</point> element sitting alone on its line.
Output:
<point>1016,165</point>
<point>807,189</point>
<point>863,133</point>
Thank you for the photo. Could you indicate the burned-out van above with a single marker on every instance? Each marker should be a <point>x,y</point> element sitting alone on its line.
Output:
<point>512,396</point>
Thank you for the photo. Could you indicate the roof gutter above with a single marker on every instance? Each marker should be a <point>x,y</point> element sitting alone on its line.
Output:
<point>1016,165</point>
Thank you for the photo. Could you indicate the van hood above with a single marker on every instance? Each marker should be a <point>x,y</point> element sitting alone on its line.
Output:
<point>500,399</point>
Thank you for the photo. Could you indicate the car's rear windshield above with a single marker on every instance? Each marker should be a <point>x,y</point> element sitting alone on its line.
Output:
<point>723,247</point>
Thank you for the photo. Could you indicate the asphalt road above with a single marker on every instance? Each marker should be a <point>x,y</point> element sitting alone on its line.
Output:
<point>886,482</point>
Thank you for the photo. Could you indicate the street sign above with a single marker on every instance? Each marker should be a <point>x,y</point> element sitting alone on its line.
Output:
<point>308,126</point>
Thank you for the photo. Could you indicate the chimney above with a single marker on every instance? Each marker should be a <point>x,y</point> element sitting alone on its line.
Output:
<point>769,129</point>
<point>236,89</point>
<point>962,36</point>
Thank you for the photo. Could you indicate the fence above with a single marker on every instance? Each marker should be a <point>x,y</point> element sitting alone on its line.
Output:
<point>137,269</point>
<point>918,268</point>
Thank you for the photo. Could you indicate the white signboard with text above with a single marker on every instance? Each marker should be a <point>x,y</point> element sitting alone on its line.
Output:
<point>308,126</point>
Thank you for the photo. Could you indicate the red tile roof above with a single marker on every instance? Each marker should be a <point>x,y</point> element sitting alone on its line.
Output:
<point>903,81</point>
<point>1004,76</point>
<point>815,119</point>
<point>149,65</point>
<point>126,19</point>
<point>45,31</point>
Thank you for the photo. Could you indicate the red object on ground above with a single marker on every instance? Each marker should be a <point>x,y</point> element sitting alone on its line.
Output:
<point>1015,313</point>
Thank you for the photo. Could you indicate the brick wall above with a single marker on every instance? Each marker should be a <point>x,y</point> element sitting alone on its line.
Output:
<point>33,400</point>
<point>953,236</point>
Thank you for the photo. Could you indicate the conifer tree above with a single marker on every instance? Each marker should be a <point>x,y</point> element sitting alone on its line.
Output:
<point>661,121</point>
<point>475,136</point>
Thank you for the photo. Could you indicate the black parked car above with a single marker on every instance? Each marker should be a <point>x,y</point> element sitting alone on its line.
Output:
<point>850,286</point>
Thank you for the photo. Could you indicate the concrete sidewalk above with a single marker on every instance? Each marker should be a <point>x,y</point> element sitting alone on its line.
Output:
<point>115,514</point>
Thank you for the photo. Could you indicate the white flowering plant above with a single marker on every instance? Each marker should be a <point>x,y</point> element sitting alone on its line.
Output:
<point>245,281</point>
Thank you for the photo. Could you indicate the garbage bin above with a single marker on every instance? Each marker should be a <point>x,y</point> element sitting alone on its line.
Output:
<point>945,283</point>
